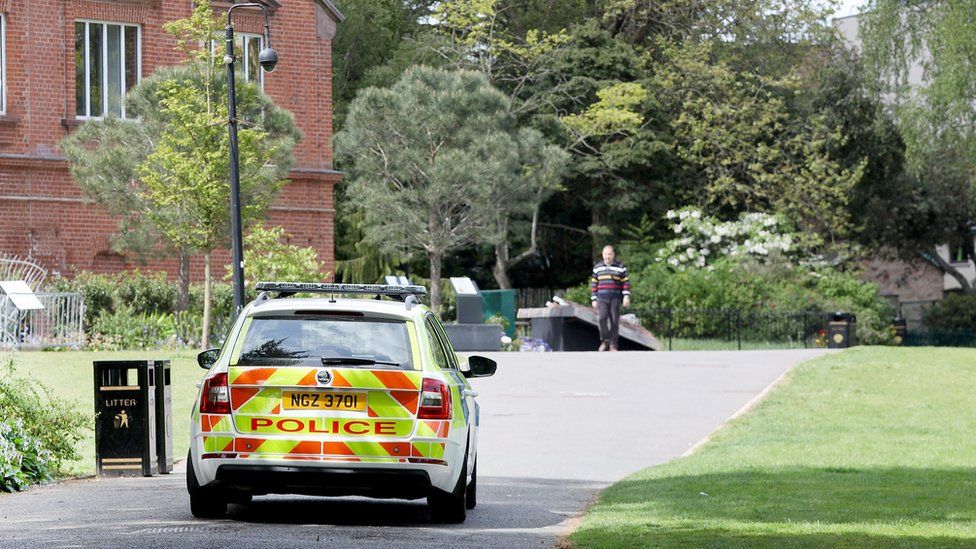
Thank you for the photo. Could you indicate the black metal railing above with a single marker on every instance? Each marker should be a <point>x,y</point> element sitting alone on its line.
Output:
<point>735,329</point>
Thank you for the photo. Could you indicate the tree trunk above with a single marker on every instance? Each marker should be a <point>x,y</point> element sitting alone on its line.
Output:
<point>502,260</point>
<point>501,256</point>
<point>183,276</point>
<point>500,269</point>
<point>205,337</point>
<point>435,281</point>
<point>933,257</point>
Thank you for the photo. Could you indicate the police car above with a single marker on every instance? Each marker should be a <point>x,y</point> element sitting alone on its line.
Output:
<point>331,396</point>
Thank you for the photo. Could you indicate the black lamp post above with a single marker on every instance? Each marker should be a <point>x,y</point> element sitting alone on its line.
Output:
<point>268,58</point>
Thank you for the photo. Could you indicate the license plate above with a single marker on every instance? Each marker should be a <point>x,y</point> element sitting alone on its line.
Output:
<point>312,400</point>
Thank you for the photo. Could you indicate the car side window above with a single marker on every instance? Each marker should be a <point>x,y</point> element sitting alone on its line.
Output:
<point>435,345</point>
<point>448,348</point>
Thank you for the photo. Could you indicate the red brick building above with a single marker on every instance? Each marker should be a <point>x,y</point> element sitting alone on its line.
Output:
<point>66,61</point>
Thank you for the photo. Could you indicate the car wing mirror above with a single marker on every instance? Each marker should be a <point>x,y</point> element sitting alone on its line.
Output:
<point>208,358</point>
<point>480,366</point>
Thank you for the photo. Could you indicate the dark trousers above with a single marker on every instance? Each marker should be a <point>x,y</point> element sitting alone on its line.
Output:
<point>609,312</point>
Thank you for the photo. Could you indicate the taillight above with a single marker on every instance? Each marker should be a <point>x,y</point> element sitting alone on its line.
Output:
<point>215,398</point>
<point>435,400</point>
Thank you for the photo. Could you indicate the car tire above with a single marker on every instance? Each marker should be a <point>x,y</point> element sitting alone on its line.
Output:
<point>471,494</point>
<point>451,507</point>
<point>205,502</point>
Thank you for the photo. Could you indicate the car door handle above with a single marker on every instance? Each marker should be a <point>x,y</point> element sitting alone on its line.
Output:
<point>469,393</point>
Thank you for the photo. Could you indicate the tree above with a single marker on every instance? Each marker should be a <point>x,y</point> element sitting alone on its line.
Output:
<point>427,159</point>
<point>272,258</point>
<point>599,110</point>
<point>368,38</point>
<point>741,148</point>
<point>173,155</point>
<point>936,115</point>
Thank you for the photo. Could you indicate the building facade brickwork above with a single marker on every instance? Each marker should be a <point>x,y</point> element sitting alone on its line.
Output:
<point>46,216</point>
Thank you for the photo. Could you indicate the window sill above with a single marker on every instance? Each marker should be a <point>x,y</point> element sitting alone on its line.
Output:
<point>72,122</point>
<point>7,120</point>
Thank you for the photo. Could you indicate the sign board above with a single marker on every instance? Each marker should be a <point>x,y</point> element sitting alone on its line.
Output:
<point>464,285</point>
<point>21,295</point>
<point>394,280</point>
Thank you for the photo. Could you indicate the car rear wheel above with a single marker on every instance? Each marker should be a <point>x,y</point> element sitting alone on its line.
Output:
<point>205,502</point>
<point>471,494</point>
<point>451,507</point>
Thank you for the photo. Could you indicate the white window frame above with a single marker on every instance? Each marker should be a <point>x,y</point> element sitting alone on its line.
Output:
<point>3,63</point>
<point>219,45</point>
<point>105,65</point>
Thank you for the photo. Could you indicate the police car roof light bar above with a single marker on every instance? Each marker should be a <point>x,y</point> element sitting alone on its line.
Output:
<point>286,289</point>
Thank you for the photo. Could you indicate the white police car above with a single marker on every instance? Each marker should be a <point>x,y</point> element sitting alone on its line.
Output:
<point>330,396</point>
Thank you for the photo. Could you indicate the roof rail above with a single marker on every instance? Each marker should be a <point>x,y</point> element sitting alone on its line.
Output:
<point>286,289</point>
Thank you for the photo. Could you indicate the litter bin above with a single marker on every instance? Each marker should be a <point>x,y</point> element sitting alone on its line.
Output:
<point>125,418</point>
<point>901,329</point>
<point>164,416</point>
<point>842,330</point>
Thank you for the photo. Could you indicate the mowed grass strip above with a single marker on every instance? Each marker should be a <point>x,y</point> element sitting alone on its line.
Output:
<point>70,375</point>
<point>872,447</point>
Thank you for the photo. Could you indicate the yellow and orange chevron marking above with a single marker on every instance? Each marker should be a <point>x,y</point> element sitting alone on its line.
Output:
<point>269,447</point>
<point>341,377</point>
<point>213,422</point>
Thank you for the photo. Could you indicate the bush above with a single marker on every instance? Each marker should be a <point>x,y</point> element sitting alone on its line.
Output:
<point>149,294</point>
<point>127,329</point>
<point>754,288</point>
<point>955,313</point>
<point>146,293</point>
<point>37,431</point>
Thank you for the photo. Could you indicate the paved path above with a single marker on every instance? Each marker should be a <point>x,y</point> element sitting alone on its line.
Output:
<point>556,428</point>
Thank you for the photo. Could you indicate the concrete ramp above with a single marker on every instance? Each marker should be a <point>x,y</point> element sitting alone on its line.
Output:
<point>574,327</point>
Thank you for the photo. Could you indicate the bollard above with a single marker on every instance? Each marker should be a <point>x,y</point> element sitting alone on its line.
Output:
<point>164,416</point>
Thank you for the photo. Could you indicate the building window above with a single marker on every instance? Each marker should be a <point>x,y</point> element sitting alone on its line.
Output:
<point>107,65</point>
<point>246,49</point>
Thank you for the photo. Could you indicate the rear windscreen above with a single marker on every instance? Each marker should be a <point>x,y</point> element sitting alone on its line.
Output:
<point>307,340</point>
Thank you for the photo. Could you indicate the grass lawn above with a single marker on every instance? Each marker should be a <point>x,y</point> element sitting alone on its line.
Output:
<point>69,374</point>
<point>872,447</point>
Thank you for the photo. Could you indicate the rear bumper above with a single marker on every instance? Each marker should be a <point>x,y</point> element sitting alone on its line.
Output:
<point>332,481</point>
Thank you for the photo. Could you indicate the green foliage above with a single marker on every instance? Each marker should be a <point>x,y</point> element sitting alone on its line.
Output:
<point>742,149</point>
<point>429,159</point>
<point>749,286</point>
<point>935,116</point>
<point>37,431</point>
<point>373,35</point>
<point>144,293</point>
<point>132,310</point>
<point>955,313</point>
<point>125,329</point>
<point>270,257</point>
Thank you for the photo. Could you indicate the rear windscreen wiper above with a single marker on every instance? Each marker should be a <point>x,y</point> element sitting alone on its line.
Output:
<point>356,361</point>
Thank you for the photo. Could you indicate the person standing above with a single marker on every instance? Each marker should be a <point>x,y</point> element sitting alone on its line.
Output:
<point>609,290</point>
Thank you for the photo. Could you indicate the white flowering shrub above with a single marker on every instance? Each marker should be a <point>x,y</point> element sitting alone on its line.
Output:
<point>23,458</point>
<point>700,239</point>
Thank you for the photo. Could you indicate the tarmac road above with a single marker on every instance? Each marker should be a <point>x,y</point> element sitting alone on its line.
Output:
<point>556,428</point>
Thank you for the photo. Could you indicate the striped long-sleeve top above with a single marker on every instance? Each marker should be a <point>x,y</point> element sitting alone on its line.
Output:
<point>609,281</point>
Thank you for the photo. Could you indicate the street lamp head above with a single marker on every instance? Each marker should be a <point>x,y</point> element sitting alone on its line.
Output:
<point>268,58</point>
